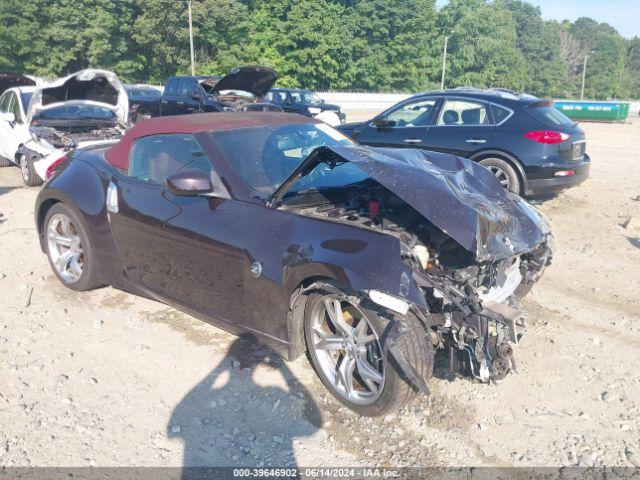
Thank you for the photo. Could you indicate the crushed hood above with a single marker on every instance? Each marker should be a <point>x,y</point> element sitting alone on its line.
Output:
<point>460,197</point>
<point>88,87</point>
<point>256,80</point>
<point>10,80</point>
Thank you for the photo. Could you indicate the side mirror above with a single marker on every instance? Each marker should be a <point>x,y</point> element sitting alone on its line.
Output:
<point>8,117</point>
<point>383,123</point>
<point>189,183</point>
<point>196,96</point>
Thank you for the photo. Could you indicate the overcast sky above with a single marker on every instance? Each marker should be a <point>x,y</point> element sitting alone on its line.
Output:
<point>624,15</point>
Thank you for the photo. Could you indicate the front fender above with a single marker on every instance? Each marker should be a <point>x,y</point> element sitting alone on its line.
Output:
<point>364,261</point>
<point>81,188</point>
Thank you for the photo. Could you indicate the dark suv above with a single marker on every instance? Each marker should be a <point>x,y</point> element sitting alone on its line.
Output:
<point>529,145</point>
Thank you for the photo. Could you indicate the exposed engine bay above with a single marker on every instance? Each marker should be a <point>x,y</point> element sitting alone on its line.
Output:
<point>69,137</point>
<point>473,309</point>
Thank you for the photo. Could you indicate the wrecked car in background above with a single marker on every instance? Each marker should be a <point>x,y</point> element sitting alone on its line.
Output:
<point>38,125</point>
<point>308,103</point>
<point>9,80</point>
<point>242,89</point>
<point>368,258</point>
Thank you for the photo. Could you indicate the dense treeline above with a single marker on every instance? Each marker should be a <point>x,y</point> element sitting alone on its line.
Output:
<point>370,45</point>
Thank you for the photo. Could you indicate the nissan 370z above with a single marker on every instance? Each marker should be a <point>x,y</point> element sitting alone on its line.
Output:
<point>369,259</point>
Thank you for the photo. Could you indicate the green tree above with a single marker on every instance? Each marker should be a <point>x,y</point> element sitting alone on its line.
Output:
<point>606,53</point>
<point>393,44</point>
<point>482,47</point>
<point>631,78</point>
<point>539,43</point>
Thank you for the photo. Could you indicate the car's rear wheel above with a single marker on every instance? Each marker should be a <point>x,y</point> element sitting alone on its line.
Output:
<point>68,248</point>
<point>504,172</point>
<point>345,343</point>
<point>29,175</point>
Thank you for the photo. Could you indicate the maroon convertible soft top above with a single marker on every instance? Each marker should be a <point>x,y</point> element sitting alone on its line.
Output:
<point>118,155</point>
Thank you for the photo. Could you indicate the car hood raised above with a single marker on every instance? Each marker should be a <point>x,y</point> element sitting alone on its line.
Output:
<point>89,87</point>
<point>460,197</point>
<point>256,80</point>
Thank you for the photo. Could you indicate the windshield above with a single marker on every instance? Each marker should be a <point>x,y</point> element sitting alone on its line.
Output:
<point>305,97</point>
<point>266,156</point>
<point>26,98</point>
<point>76,112</point>
<point>144,92</point>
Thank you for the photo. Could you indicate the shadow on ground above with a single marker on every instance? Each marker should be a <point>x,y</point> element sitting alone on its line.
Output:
<point>633,241</point>
<point>237,417</point>
<point>4,190</point>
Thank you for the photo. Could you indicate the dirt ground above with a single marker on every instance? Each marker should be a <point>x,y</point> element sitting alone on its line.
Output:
<point>109,379</point>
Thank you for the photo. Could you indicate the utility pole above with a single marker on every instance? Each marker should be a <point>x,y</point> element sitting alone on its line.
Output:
<point>444,60</point>
<point>584,73</point>
<point>193,59</point>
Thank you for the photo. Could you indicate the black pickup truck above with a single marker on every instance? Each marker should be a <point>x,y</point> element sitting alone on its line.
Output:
<point>242,89</point>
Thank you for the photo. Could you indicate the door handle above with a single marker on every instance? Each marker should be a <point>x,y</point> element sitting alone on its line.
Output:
<point>476,140</point>
<point>163,101</point>
<point>180,102</point>
<point>412,140</point>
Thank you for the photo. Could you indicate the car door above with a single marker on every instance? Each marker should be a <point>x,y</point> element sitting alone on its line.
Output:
<point>190,97</point>
<point>169,99</point>
<point>189,250</point>
<point>404,125</point>
<point>463,126</point>
<point>12,134</point>
<point>5,127</point>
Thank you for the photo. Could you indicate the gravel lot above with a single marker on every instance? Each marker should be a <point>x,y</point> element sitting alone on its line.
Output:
<point>106,378</point>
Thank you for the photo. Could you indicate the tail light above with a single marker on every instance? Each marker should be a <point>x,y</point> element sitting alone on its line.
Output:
<point>547,136</point>
<point>53,168</point>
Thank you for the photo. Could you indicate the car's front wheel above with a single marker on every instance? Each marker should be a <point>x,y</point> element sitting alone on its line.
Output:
<point>68,249</point>
<point>505,173</point>
<point>29,175</point>
<point>345,343</point>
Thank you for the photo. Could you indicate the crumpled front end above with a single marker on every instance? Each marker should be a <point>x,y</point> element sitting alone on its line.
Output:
<point>471,249</point>
<point>474,311</point>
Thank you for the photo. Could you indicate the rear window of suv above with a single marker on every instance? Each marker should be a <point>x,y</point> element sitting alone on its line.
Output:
<point>544,112</point>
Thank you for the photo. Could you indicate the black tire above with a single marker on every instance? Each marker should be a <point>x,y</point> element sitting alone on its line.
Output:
<point>397,391</point>
<point>510,179</point>
<point>90,278</point>
<point>5,162</point>
<point>29,175</point>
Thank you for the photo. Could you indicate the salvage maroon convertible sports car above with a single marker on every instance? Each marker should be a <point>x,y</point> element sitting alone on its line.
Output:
<point>277,224</point>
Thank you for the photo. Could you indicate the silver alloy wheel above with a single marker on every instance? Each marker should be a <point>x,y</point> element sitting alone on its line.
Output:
<point>24,167</point>
<point>501,175</point>
<point>347,350</point>
<point>65,248</point>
